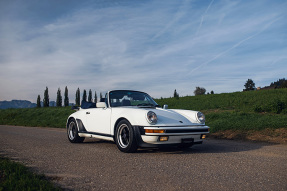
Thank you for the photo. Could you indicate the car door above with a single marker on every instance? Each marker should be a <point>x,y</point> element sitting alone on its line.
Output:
<point>99,121</point>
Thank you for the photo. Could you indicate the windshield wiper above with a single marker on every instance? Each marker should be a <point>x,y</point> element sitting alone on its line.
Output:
<point>146,104</point>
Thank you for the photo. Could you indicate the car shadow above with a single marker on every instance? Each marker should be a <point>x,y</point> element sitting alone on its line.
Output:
<point>213,146</point>
<point>209,146</point>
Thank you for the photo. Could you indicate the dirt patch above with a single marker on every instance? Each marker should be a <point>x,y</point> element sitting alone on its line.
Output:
<point>266,135</point>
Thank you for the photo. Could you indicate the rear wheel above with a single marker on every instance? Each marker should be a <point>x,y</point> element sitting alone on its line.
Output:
<point>72,131</point>
<point>125,138</point>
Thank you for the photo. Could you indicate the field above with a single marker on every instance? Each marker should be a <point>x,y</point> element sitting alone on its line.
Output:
<point>36,117</point>
<point>255,114</point>
<point>270,101</point>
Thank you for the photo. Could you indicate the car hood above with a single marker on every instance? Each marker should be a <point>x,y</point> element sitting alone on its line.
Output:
<point>166,117</point>
<point>175,117</point>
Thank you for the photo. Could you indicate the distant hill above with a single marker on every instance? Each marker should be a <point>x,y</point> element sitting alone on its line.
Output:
<point>281,83</point>
<point>24,104</point>
<point>16,104</point>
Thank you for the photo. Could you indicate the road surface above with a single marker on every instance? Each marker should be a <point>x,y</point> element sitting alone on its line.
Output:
<point>99,165</point>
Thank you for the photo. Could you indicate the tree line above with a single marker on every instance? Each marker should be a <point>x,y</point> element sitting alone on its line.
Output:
<point>59,100</point>
<point>197,91</point>
<point>249,86</point>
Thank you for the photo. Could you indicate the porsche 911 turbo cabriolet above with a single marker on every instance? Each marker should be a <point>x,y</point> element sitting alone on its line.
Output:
<point>132,119</point>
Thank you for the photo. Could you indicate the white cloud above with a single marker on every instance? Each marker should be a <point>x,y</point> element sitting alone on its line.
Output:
<point>152,46</point>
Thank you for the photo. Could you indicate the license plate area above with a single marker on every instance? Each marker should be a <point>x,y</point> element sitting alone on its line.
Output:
<point>187,140</point>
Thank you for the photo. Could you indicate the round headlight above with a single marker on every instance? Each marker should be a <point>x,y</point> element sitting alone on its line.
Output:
<point>151,117</point>
<point>200,117</point>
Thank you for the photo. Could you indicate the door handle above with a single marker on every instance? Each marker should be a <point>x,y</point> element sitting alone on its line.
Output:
<point>87,112</point>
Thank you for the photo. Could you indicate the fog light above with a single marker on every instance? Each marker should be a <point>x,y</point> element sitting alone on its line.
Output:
<point>203,136</point>
<point>163,138</point>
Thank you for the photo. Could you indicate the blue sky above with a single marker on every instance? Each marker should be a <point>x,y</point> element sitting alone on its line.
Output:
<point>153,46</point>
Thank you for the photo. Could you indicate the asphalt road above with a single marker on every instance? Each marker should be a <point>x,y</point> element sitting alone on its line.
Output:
<point>99,165</point>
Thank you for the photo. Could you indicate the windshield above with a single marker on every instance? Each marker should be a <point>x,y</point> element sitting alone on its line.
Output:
<point>130,98</point>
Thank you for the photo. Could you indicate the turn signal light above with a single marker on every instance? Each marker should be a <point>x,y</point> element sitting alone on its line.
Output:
<point>203,136</point>
<point>154,131</point>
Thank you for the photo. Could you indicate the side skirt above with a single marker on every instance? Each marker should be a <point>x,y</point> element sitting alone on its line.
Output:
<point>96,135</point>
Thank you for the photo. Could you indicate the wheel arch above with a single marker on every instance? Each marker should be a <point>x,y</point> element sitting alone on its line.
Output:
<point>116,124</point>
<point>75,137</point>
<point>132,144</point>
<point>69,119</point>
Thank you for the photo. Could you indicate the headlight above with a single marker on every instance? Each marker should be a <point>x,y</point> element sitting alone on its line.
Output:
<point>200,117</point>
<point>151,117</point>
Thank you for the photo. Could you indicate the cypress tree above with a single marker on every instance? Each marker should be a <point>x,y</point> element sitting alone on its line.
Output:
<point>46,98</point>
<point>84,95</point>
<point>175,94</point>
<point>96,97</point>
<point>66,99</point>
<point>90,96</point>
<point>38,101</point>
<point>77,101</point>
<point>101,96</point>
<point>59,98</point>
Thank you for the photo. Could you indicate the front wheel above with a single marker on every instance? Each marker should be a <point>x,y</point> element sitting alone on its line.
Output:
<point>72,131</point>
<point>125,138</point>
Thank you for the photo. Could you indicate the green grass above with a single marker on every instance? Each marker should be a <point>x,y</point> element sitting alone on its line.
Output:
<point>14,176</point>
<point>253,110</point>
<point>36,117</point>
<point>234,120</point>
<point>272,101</point>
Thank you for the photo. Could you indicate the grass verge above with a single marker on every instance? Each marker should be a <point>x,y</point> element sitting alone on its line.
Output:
<point>15,176</point>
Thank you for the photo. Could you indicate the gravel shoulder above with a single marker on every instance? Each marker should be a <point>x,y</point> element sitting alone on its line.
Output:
<point>277,136</point>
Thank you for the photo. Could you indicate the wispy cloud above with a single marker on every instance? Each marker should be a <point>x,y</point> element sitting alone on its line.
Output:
<point>202,17</point>
<point>153,46</point>
<point>234,46</point>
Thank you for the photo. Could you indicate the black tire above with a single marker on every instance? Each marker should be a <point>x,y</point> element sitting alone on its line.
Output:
<point>72,132</point>
<point>125,137</point>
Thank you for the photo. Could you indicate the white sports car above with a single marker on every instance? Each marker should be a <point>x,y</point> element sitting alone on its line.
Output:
<point>133,119</point>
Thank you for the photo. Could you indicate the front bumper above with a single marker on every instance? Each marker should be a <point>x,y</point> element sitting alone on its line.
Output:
<point>175,135</point>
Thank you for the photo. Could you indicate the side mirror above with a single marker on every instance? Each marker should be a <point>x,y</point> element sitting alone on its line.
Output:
<point>101,105</point>
<point>75,108</point>
<point>165,106</point>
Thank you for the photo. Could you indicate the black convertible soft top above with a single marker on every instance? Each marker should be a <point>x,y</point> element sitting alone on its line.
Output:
<point>87,105</point>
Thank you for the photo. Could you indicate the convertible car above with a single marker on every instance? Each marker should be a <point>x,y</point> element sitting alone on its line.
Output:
<point>132,119</point>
